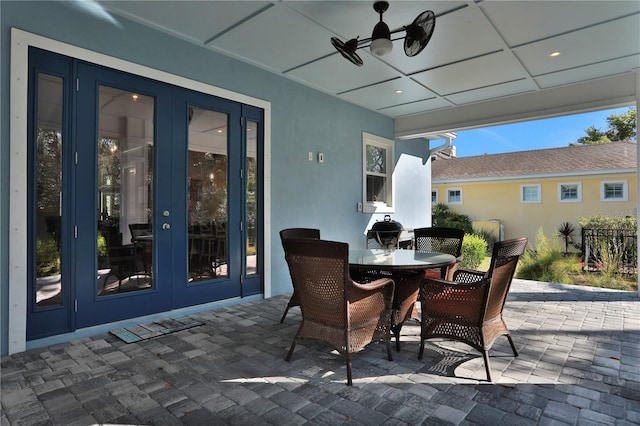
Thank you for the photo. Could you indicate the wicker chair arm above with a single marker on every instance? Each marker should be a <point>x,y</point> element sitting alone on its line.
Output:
<point>463,275</point>
<point>449,298</point>
<point>438,285</point>
<point>370,302</point>
<point>373,285</point>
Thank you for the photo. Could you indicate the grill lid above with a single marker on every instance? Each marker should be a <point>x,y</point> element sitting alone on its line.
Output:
<point>386,232</point>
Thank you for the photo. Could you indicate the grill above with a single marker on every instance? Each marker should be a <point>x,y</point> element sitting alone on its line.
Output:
<point>385,232</point>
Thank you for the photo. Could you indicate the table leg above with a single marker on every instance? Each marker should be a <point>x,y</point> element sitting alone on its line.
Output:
<point>404,299</point>
<point>407,287</point>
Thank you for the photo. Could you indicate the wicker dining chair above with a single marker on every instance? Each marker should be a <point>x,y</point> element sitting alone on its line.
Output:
<point>309,233</point>
<point>439,239</point>
<point>335,309</point>
<point>469,308</point>
<point>432,239</point>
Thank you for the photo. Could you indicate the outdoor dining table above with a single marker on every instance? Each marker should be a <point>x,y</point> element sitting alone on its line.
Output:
<point>406,268</point>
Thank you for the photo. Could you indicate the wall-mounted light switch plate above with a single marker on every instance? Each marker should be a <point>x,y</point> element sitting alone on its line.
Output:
<point>359,207</point>
<point>320,157</point>
<point>310,156</point>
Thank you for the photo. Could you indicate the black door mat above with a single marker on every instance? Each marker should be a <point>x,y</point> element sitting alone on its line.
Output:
<point>154,329</point>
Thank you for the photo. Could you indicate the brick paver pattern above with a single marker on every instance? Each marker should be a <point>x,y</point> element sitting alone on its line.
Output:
<point>579,364</point>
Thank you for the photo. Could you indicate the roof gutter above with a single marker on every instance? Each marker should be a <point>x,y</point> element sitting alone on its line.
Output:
<point>449,137</point>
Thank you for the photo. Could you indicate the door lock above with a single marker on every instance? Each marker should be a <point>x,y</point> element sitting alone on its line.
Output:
<point>166,226</point>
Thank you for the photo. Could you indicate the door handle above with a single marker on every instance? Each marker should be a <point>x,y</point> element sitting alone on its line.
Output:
<point>166,226</point>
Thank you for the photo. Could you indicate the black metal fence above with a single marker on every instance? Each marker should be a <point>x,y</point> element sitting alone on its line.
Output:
<point>610,248</point>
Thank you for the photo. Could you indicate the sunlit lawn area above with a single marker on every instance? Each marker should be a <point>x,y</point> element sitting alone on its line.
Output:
<point>570,271</point>
<point>574,275</point>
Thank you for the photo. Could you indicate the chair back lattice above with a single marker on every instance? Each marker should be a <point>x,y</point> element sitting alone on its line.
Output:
<point>319,270</point>
<point>139,229</point>
<point>504,260</point>
<point>439,239</point>
<point>300,233</point>
<point>469,308</point>
<point>335,309</point>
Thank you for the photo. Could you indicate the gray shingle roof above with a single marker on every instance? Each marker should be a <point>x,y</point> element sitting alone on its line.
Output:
<point>567,160</point>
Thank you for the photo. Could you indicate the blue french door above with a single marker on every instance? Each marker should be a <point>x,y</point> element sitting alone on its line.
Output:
<point>158,203</point>
<point>123,184</point>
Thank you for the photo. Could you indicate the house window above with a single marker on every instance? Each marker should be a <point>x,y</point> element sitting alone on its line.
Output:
<point>570,192</point>
<point>454,196</point>
<point>378,171</point>
<point>530,194</point>
<point>434,196</point>
<point>614,191</point>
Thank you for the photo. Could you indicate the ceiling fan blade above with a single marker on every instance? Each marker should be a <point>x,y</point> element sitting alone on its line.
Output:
<point>347,50</point>
<point>419,33</point>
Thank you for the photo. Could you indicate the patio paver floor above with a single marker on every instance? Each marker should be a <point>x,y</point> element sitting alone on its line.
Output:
<point>579,364</point>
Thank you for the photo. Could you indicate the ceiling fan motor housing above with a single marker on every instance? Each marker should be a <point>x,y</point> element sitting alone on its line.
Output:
<point>417,36</point>
<point>381,37</point>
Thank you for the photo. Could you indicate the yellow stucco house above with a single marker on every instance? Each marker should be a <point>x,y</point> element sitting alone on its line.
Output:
<point>523,191</point>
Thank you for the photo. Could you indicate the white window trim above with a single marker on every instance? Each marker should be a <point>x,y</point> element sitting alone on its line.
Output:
<point>570,200</point>
<point>437,196</point>
<point>537,200</point>
<point>454,202</point>
<point>378,206</point>
<point>625,191</point>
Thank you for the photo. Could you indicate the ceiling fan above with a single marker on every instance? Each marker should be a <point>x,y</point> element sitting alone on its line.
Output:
<point>419,33</point>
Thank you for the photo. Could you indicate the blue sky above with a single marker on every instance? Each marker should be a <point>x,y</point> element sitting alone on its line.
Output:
<point>539,134</point>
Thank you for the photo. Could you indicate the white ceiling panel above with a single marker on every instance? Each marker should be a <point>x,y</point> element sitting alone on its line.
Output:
<point>472,74</point>
<point>521,22</point>
<point>195,20</point>
<point>595,44</point>
<point>494,91</point>
<point>480,50</point>
<point>336,75</point>
<point>262,41</point>
<point>589,72</point>
<point>385,94</point>
<point>350,19</point>
<point>457,36</point>
<point>416,107</point>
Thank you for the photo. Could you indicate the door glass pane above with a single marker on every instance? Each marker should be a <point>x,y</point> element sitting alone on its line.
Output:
<point>49,191</point>
<point>125,191</point>
<point>207,194</point>
<point>251,194</point>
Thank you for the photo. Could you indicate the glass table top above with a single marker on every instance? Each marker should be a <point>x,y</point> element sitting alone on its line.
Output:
<point>398,258</point>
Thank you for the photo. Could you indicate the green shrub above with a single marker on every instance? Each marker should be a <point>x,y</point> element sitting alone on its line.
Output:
<point>489,236</point>
<point>546,262</point>
<point>613,247</point>
<point>609,222</point>
<point>48,258</point>
<point>103,258</point>
<point>442,216</point>
<point>474,249</point>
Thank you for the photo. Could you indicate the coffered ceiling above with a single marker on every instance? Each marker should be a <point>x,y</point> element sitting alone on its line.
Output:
<point>480,51</point>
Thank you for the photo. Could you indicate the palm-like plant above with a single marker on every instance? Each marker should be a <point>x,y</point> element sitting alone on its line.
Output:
<point>566,229</point>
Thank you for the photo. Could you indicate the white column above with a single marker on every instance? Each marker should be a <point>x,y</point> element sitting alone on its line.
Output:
<point>637,169</point>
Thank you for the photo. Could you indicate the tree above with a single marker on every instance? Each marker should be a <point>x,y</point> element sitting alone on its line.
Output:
<point>594,136</point>
<point>622,127</point>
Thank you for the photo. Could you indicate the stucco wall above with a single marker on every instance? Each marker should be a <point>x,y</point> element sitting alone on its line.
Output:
<point>302,193</point>
<point>501,200</point>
